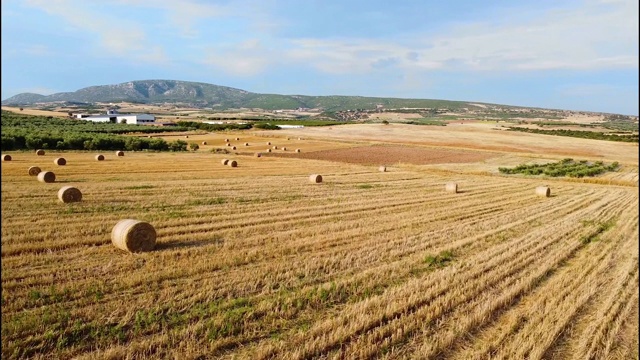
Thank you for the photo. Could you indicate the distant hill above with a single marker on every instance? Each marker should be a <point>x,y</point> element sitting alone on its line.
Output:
<point>221,97</point>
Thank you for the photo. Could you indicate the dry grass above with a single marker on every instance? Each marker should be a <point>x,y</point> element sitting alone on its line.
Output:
<point>394,269</point>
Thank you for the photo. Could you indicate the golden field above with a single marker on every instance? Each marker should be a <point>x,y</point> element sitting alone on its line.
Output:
<point>257,262</point>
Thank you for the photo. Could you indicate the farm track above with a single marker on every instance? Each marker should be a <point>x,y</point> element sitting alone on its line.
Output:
<point>275,267</point>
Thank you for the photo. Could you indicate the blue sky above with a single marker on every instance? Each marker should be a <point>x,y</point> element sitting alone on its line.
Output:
<point>571,54</point>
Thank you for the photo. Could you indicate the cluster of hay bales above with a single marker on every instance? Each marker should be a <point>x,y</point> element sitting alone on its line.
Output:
<point>6,157</point>
<point>100,157</point>
<point>40,152</point>
<point>60,161</point>
<point>133,236</point>
<point>46,176</point>
<point>315,178</point>
<point>69,194</point>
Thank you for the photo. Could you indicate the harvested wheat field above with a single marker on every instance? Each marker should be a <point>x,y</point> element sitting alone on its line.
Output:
<point>259,263</point>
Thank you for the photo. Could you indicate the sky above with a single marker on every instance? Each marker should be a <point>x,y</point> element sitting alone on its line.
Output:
<point>571,54</point>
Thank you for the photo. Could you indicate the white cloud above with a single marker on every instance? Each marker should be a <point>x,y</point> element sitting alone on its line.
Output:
<point>126,39</point>
<point>598,35</point>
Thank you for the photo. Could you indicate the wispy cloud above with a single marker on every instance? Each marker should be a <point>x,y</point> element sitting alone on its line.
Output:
<point>127,39</point>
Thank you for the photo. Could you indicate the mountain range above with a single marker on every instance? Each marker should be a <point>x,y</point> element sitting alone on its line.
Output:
<point>205,95</point>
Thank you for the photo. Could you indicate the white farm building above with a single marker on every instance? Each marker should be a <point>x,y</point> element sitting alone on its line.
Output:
<point>112,116</point>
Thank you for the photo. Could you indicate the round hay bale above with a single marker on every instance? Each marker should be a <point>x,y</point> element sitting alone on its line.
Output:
<point>451,187</point>
<point>246,144</point>
<point>119,153</point>
<point>224,161</point>
<point>60,161</point>
<point>258,154</point>
<point>228,144</point>
<point>204,143</point>
<point>34,170</point>
<point>6,157</point>
<point>40,152</point>
<point>226,140</point>
<point>315,178</point>
<point>382,168</point>
<point>69,194</point>
<point>268,142</point>
<point>46,177</point>
<point>268,150</point>
<point>299,138</point>
<point>233,163</point>
<point>543,191</point>
<point>100,157</point>
<point>297,150</point>
<point>186,136</point>
<point>275,147</point>
<point>233,148</point>
<point>133,236</point>
<point>284,148</point>
<point>237,138</point>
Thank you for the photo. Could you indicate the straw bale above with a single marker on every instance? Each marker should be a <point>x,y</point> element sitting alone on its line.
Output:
<point>34,170</point>
<point>382,168</point>
<point>133,236</point>
<point>60,161</point>
<point>225,161</point>
<point>315,178</point>
<point>46,177</point>
<point>297,150</point>
<point>99,157</point>
<point>451,187</point>
<point>246,144</point>
<point>543,191</point>
<point>119,153</point>
<point>233,148</point>
<point>233,163</point>
<point>69,194</point>
<point>237,138</point>
<point>258,154</point>
<point>40,152</point>
<point>204,143</point>
<point>6,157</point>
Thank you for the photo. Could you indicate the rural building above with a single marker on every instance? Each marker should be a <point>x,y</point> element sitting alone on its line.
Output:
<point>112,116</point>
